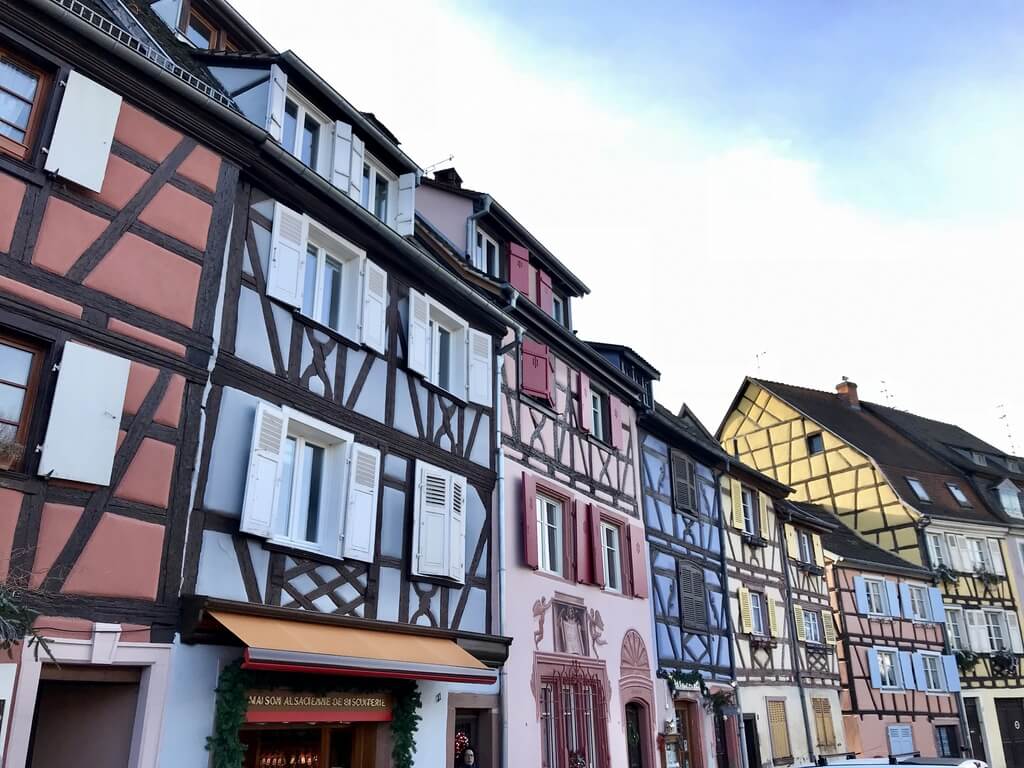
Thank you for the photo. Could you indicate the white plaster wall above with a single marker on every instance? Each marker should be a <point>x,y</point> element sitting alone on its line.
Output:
<point>753,700</point>
<point>432,734</point>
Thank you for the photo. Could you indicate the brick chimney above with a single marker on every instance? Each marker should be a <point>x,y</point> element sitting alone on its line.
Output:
<point>847,392</point>
<point>449,177</point>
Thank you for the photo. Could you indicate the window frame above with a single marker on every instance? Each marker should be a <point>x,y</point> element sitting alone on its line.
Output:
<point>24,150</point>
<point>438,317</point>
<point>351,258</point>
<point>919,490</point>
<point>222,40</point>
<point>480,258</point>
<point>543,549</point>
<point>947,747</point>
<point>761,613</point>
<point>938,549</point>
<point>977,550</point>
<point>560,306</point>
<point>600,414</point>
<point>931,657</point>
<point>821,438</point>
<point>956,628</point>
<point>751,510</point>
<point>30,400</point>
<point>1000,624</point>
<point>918,591</point>
<point>1005,493</point>
<point>883,595</point>
<point>805,540</point>
<point>894,666</point>
<point>958,495</point>
<point>583,718</point>
<point>304,108</point>
<point>608,524</point>
<point>813,618</point>
<point>369,187</point>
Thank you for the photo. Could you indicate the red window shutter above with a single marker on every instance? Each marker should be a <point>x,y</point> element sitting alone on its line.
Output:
<point>581,543</point>
<point>638,563</point>
<point>596,550</point>
<point>536,374</point>
<point>586,415</point>
<point>530,520</point>
<point>615,412</point>
<point>519,268</point>
<point>544,296</point>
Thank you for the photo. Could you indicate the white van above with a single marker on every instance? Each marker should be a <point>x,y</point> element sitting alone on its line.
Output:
<point>915,762</point>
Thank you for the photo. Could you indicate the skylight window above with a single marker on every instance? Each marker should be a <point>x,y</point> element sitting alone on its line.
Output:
<point>918,489</point>
<point>958,494</point>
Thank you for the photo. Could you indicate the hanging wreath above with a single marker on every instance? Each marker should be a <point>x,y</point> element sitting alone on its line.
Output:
<point>461,742</point>
<point>713,702</point>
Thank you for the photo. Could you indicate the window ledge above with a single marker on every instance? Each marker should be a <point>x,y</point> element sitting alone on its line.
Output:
<point>441,581</point>
<point>812,568</point>
<point>295,549</point>
<point>761,641</point>
<point>822,648</point>
<point>436,389</point>
<point>754,540</point>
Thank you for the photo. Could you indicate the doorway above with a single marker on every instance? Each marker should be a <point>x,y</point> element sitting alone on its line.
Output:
<point>634,743</point>
<point>1010,713</point>
<point>721,743</point>
<point>751,742</point>
<point>975,729</point>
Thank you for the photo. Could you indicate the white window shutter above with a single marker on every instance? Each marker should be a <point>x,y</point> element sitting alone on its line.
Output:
<point>276,102</point>
<point>286,276</point>
<point>457,530</point>
<point>405,219</point>
<point>84,132</point>
<point>1013,629</point>
<point>977,632</point>
<point>995,552</point>
<point>430,528</point>
<point>342,160</point>
<point>956,551</point>
<point>480,374</point>
<point>360,537</point>
<point>81,436</point>
<point>373,326</point>
<point>418,354</point>
<point>355,181</point>
<point>264,475</point>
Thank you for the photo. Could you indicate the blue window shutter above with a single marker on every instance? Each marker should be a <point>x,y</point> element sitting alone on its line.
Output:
<point>861,591</point>
<point>908,612</point>
<point>918,662</point>
<point>907,670</point>
<point>938,609</point>
<point>952,673</point>
<point>876,676</point>
<point>894,599</point>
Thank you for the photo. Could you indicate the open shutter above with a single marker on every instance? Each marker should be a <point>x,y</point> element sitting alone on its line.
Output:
<point>581,526</point>
<point>457,530</point>
<point>586,414</point>
<point>417,357</point>
<point>828,627</point>
<point>264,475</point>
<point>908,611</point>
<point>873,671</point>
<point>431,531</point>
<point>342,156</point>
<point>545,297</point>
<point>995,551</point>
<point>920,681</point>
<point>1013,629</point>
<point>287,273</point>
<point>355,179</point>
<point>798,619</point>
<point>893,599</point>
<point>275,103</point>
<point>952,673</point>
<point>519,268</point>
<point>373,326</point>
<point>762,511</point>
<point>773,617</point>
<point>84,132</point>
<point>736,494</point>
<point>81,436</point>
<point>536,373</point>
<point>637,559</point>
<point>405,219</point>
<point>792,543</point>
<point>617,416</point>
<point>938,612</point>
<point>957,552</point>
<point>819,555</point>
<point>530,558</point>
<point>360,536</point>
<point>746,617</point>
<point>977,632</point>
<point>683,486</point>
<point>907,670</point>
<point>480,368</point>
<point>596,550</point>
<point>860,591</point>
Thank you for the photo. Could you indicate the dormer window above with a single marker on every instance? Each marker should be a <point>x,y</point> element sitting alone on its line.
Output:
<point>203,33</point>
<point>378,188</point>
<point>1009,498</point>
<point>918,489</point>
<point>958,494</point>
<point>559,310</point>
<point>978,458</point>
<point>485,256</point>
<point>1013,465</point>
<point>303,133</point>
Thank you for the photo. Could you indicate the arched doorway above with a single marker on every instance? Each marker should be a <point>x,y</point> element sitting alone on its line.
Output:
<point>634,736</point>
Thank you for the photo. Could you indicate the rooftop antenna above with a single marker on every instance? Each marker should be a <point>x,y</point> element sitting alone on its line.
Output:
<point>432,166</point>
<point>757,359</point>
<point>1003,417</point>
<point>885,392</point>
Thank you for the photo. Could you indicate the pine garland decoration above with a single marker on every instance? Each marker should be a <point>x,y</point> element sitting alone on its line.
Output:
<point>405,718</point>
<point>229,716</point>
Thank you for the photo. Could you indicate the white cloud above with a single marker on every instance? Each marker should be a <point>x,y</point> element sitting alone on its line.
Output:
<point>709,260</point>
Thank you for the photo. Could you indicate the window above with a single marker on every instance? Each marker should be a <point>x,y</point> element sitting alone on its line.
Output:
<point>888,669</point>
<point>1013,465</point>
<point>693,608</point>
<point>948,737</point>
<point>823,726</point>
<point>938,553</point>
<point>21,102</point>
<point>379,189</point>
<point>447,350</point>
<point>599,414</point>
<point>486,255</point>
<point>203,33</point>
<point>611,545</point>
<point>995,626</point>
<point>19,374</point>
<point>876,596</point>
<point>559,310</point>
<point>1009,499</point>
<point>812,627</point>
<point>749,500</point>
<point>978,554</point>
<point>439,528</point>
<point>778,729</point>
<point>321,298</point>
<point>549,726</point>
<point>958,494</point>
<point>901,739</point>
<point>918,489</point>
<point>956,628</point>
<point>934,679</point>
<point>815,444</point>
<point>979,458</point>
<point>549,535</point>
<point>573,723</point>
<point>757,614</point>
<point>919,606</point>
<point>303,133</point>
<point>806,544</point>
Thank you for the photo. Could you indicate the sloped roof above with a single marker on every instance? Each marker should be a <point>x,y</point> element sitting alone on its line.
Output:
<point>860,552</point>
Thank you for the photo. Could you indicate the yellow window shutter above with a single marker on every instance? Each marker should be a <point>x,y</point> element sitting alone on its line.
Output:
<point>746,620</point>
<point>792,547</point>
<point>798,619</point>
<point>828,627</point>
<point>762,505</point>
<point>773,619</point>
<point>736,492</point>
<point>819,557</point>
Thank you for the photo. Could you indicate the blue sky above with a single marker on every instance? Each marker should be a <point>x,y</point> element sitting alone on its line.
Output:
<point>796,190</point>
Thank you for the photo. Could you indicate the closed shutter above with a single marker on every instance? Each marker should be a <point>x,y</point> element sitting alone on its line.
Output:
<point>736,494</point>
<point>480,368</point>
<point>893,598</point>
<point>276,98</point>
<point>938,612</point>
<point>286,276</point>
<point>373,328</point>
<point>762,509</point>
<point>342,160</point>
<point>772,607</point>
<point>823,722</point>
<point>530,521</point>
<point>617,416</point>
<point>692,597</point>
<point>952,673</point>
<point>360,535</point>
<point>637,546</point>
<point>85,417</point>
<point>792,543</point>
<point>264,474</point>
<point>977,632</point>
<point>405,219</point>
<point>778,729</point>
<point>798,620</point>
<point>82,137</point>
<point>519,268</point>
<point>586,415</point>
<point>431,527</point>
<point>457,530</point>
<point>418,354</point>
<point>957,552</point>
<point>995,551</point>
<point>860,591</point>
<point>584,560</point>
<point>819,556</point>
<point>545,297</point>
<point>684,492</point>
<point>1013,627</point>
<point>355,180</point>
<point>596,550</point>
<point>874,672</point>
<point>536,373</point>
<point>828,627</point>
<point>746,615</point>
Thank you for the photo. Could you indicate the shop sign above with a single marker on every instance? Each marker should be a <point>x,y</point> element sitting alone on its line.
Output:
<point>281,706</point>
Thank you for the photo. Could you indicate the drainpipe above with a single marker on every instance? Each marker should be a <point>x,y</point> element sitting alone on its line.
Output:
<point>740,725</point>
<point>471,231</point>
<point>780,530</point>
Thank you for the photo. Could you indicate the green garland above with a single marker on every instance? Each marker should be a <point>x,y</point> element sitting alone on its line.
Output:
<point>226,747</point>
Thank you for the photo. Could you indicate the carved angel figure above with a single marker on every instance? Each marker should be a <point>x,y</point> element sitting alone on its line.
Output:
<point>540,608</point>
<point>596,629</point>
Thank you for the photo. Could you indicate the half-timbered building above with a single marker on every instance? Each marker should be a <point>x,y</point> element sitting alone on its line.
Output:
<point>578,684</point>
<point>900,685</point>
<point>846,455</point>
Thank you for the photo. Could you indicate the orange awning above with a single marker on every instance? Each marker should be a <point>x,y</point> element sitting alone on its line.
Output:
<point>300,646</point>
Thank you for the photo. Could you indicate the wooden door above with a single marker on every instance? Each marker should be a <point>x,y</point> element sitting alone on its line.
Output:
<point>634,745</point>
<point>974,726</point>
<point>752,745</point>
<point>1010,713</point>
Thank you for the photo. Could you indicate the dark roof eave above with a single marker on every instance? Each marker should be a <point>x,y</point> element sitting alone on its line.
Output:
<point>630,353</point>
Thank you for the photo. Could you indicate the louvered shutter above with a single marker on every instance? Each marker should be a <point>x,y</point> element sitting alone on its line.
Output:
<point>85,416</point>
<point>977,632</point>
<point>893,599</point>
<point>360,535</point>
<point>405,219</point>
<point>746,616</point>
<point>342,160</point>
<point>762,511</point>
<point>860,591</point>
<point>938,612</point>
<point>908,609</point>
<point>952,673</point>
<point>617,413</point>
<point>995,552</point>
<point>530,558</point>
<point>536,373</point>
<point>355,180</point>
<point>519,268</point>
<point>920,679</point>
<point>586,414</point>
<point>596,550</point>
<point>819,555</point>
<point>907,670</point>
<point>692,597</point>
<point>263,477</point>
<point>286,276</point>
<point>778,730</point>
<point>457,530</point>
<point>418,354</point>
<point>736,495</point>
<point>431,531</point>
<point>1013,629</point>
<point>480,368</point>
<point>873,670</point>
<point>276,98</point>
<point>84,132</point>
<point>373,327</point>
<point>772,607</point>
<point>581,541</point>
<point>798,620</point>
<point>637,545</point>
<point>901,739</point>
<point>683,485</point>
<point>828,627</point>
<point>545,297</point>
<point>957,552</point>
<point>792,543</point>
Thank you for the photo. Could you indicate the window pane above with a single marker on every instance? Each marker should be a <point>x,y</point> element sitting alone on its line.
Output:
<point>198,33</point>
<point>492,258</point>
<point>287,476</point>
<point>310,141</point>
<point>291,121</point>
<point>11,400</point>
<point>365,195</point>
<point>15,364</point>
<point>380,200</point>
<point>444,355</point>
<point>11,132</point>
<point>16,80</point>
<point>309,492</point>
<point>309,289</point>
<point>14,110</point>
<point>331,305</point>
